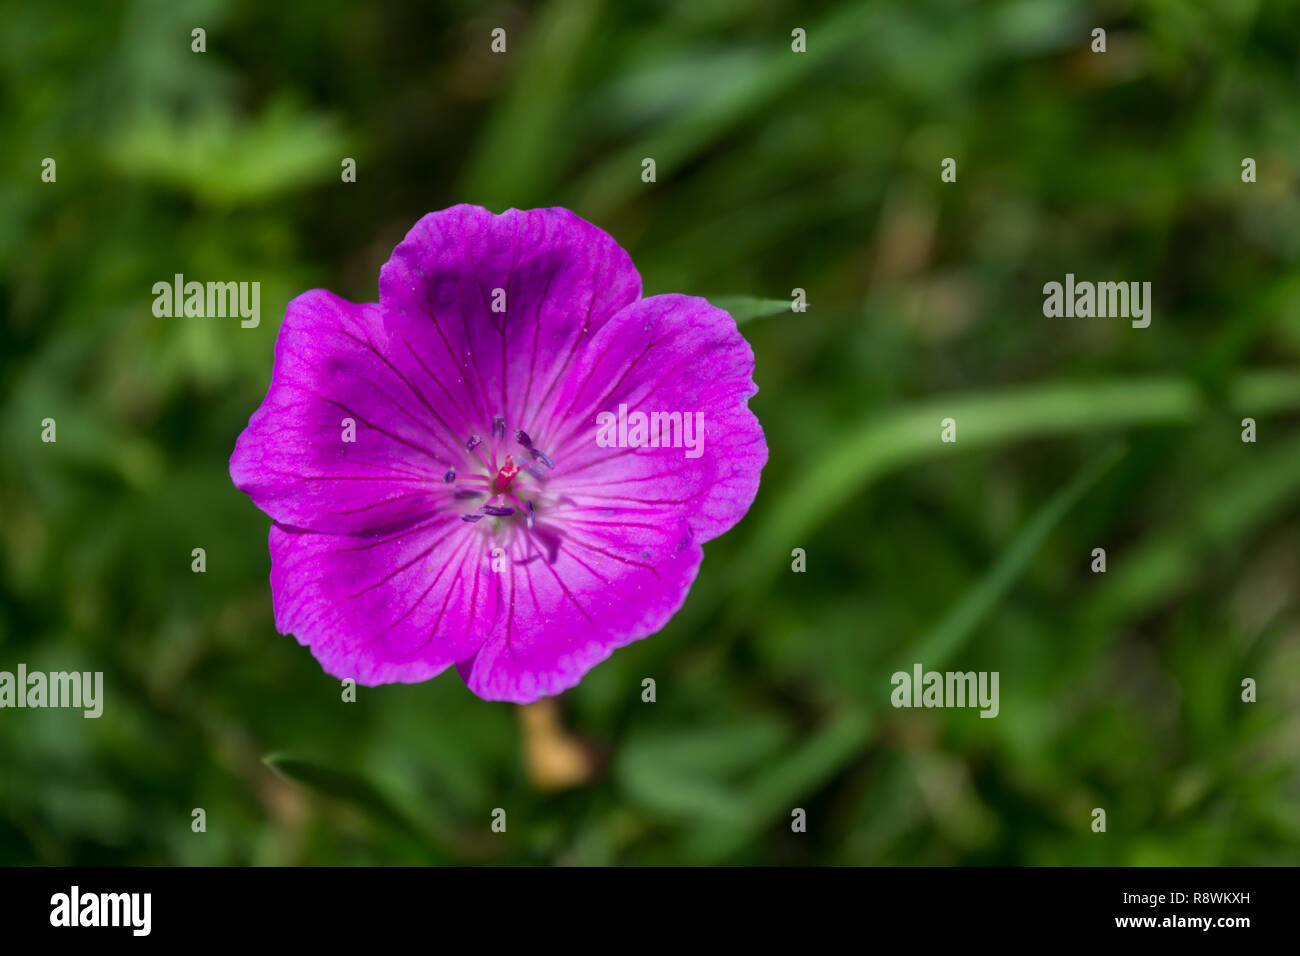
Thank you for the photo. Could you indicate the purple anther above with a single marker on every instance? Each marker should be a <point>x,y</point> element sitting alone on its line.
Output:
<point>531,515</point>
<point>498,427</point>
<point>498,511</point>
<point>449,476</point>
<point>464,493</point>
<point>521,436</point>
<point>474,442</point>
<point>471,518</point>
<point>541,456</point>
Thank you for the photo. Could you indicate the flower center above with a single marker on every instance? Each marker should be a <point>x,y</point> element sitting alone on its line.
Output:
<point>502,487</point>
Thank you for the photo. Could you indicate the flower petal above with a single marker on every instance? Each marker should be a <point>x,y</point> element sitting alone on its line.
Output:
<point>295,460</point>
<point>680,358</point>
<point>396,606</point>
<point>560,280</point>
<point>563,617</point>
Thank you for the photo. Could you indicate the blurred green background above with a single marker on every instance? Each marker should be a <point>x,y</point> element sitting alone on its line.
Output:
<point>776,170</point>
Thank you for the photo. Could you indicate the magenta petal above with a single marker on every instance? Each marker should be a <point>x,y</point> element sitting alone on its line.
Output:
<point>396,606</point>
<point>561,279</point>
<point>563,618</point>
<point>669,354</point>
<point>294,459</point>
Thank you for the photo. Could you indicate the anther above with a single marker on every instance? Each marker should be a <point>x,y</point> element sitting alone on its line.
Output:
<point>521,436</point>
<point>531,515</point>
<point>463,493</point>
<point>498,427</point>
<point>450,476</point>
<point>541,456</point>
<point>474,442</point>
<point>471,518</point>
<point>498,511</point>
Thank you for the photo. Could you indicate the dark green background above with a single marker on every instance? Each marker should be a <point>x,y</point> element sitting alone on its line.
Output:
<point>775,170</point>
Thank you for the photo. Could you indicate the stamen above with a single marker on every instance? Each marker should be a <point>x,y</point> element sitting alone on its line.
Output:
<point>497,483</point>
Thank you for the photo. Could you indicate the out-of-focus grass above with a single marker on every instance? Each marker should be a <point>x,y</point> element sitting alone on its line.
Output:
<point>775,171</point>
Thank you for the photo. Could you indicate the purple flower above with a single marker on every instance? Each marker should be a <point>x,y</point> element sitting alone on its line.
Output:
<point>469,515</point>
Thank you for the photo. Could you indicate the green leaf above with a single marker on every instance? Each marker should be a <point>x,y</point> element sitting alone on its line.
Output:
<point>982,597</point>
<point>224,160</point>
<point>774,792</point>
<point>1170,560</point>
<point>688,774</point>
<point>345,787</point>
<point>745,308</point>
<point>713,113</point>
<point>522,151</point>
<point>911,435</point>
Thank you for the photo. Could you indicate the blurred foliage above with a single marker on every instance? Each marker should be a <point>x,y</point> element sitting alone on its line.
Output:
<point>775,170</point>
